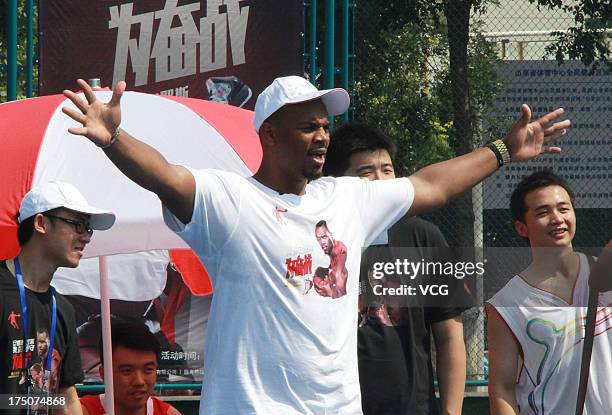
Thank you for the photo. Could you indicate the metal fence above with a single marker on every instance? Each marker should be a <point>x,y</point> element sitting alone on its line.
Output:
<point>407,82</point>
<point>18,45</point>
<point>394,57</point>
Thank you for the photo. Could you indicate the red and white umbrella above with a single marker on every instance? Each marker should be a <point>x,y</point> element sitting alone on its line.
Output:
<point>145,271</point>
<point>137,276</point>
<point>36,147</point>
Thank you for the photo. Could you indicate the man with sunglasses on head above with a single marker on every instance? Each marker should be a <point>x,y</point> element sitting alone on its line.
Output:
<point>55,225</point>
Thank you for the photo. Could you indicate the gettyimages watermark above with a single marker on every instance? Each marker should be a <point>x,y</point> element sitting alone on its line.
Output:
<point>419,277</point>
<point>413,269</point>
<point>450,277</point>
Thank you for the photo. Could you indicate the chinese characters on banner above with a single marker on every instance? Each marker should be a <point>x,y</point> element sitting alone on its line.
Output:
<point>586,158</point>
<point>225,50</point>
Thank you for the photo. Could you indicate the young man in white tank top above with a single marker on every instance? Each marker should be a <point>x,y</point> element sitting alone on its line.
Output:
<point>536,322</point>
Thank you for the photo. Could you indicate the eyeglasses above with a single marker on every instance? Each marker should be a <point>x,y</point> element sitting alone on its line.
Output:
<point>79,227</point>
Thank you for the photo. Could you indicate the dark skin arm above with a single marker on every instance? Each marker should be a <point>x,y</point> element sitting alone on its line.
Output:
<point>438,183</point>
<point>174,185</point>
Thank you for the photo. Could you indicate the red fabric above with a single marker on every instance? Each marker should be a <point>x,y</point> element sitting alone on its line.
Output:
<point>159,406</point>
<point>233,129</point>
<point>193,272</point>
<point>176,298</point>
<point>94,406</point>
<point>27,119</point>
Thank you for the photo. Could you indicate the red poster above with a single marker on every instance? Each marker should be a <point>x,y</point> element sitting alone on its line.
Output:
<point>224,50</point>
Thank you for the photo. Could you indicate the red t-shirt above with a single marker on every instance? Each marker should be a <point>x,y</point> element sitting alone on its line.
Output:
<point>93,404</point>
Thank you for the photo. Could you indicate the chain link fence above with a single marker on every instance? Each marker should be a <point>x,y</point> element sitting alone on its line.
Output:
<point>440,88</point>
<point>439,95</point>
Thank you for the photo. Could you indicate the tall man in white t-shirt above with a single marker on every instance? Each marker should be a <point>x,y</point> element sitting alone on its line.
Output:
<point>272,347</point>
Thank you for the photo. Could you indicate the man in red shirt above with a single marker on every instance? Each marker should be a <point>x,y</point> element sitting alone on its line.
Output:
<point>135,352</point>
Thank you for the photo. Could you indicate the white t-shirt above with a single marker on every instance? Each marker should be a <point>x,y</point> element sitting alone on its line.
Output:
<point>275,345</point>
<point>551,334</point>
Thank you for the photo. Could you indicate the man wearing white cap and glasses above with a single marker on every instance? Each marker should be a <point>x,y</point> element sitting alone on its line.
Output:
<point>55,225</point>
<point>273,346</point>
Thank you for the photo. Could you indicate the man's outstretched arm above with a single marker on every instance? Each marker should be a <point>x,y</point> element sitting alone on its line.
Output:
<point>174,185</point>
<point>438,183</point>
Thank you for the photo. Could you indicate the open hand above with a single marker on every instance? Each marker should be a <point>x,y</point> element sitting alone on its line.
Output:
<point>99,119</point>
<point>527,139</point>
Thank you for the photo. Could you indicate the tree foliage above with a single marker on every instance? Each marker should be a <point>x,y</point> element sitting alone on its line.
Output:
<point>403,80</point>
<point>394,93</point>
<point>587,40</point>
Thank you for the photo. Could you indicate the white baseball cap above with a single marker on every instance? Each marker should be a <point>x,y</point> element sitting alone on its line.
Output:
<point>52,195</point>
<point>293,90</point>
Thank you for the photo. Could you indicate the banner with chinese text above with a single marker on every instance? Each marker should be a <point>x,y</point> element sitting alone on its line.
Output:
<point>586,158</point>
<point>225,50</point>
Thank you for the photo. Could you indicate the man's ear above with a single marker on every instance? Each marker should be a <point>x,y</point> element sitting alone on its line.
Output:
<point>267,134</point>
<point>40,223</point>
<point>521,228</point>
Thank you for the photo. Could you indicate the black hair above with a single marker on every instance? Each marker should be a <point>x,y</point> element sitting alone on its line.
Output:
<point>25,230</point>
<point>537,180</point>
<point>321,223</point>
<point>351,138</point>
<point>133,336</point>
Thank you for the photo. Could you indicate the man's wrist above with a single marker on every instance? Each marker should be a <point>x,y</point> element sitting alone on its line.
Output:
<point>113,139</point>
<point>499,148</point>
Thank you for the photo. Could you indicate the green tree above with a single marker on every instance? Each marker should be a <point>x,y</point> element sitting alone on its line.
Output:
<point>433,47</point>
<point>587,40</point>
<point>423,80</point>
<point>394,93</point>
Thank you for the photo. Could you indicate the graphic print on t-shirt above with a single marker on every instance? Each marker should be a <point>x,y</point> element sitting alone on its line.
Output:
<point>277,215</point>
<point>544,332</point>
<point>308,271</point>
<point>29,364</point>
<point>298,259</point>
<point>330,281</point>
<point>12,318</point>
